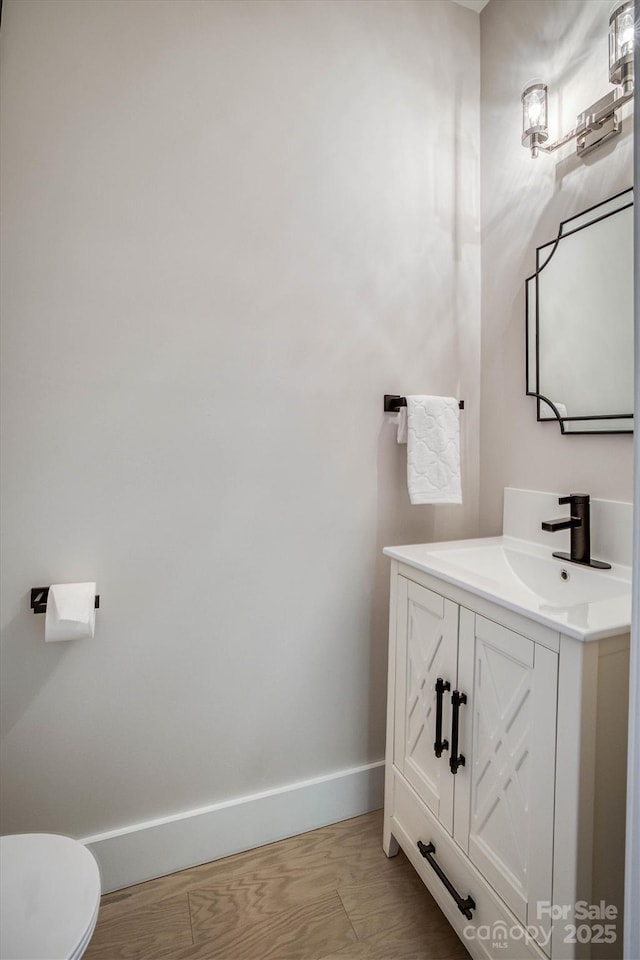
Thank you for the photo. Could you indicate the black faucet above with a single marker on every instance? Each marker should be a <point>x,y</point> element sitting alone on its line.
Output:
<point>580,525</point>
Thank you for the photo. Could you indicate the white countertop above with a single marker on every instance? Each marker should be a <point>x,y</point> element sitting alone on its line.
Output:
<point>522,576</point>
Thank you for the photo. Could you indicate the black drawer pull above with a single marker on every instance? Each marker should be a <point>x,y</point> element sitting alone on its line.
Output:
<point>440,744</point>
<point>464,906</point>
<point>457,760</point>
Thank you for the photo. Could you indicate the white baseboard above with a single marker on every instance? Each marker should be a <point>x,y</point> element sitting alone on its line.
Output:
<point>157,847</point>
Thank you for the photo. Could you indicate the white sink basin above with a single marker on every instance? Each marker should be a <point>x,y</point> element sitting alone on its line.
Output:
<point>581,602</point>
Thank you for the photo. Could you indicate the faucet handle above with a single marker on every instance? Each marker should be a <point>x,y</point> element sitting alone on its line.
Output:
<point>575,498</point>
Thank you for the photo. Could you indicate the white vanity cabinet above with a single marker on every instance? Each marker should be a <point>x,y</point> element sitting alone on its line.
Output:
<point>496,780</point>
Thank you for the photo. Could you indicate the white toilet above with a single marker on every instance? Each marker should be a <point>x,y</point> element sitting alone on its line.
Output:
<point>49,897</point>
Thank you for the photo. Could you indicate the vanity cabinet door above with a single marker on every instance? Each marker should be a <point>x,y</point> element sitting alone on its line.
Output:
<point>505,792</point>
<point>427,651</point>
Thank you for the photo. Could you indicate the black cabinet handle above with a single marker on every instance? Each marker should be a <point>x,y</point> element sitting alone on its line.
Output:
<point>464,906</point>
<point>440,744</point>
<point>457,760</point>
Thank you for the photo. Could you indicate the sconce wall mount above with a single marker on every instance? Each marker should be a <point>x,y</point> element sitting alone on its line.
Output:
<point>600,121</point>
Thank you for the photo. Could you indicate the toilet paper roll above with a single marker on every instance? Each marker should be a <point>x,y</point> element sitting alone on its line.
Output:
<point>71,613</point>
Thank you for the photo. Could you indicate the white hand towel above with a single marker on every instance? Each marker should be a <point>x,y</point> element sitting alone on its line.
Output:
<point>433,450</point>
<point>401,425</point>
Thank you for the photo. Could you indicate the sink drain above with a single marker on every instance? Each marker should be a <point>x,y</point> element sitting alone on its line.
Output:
<point>564,574</point>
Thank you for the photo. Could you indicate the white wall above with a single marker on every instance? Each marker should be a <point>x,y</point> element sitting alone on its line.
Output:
<point>523,202</point>
<point>229,228</point>
<point>632,865</point>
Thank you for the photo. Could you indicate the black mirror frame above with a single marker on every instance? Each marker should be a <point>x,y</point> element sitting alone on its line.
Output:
<point>566,230</point>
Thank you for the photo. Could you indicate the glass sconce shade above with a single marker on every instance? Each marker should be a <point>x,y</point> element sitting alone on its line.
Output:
<point>621,37</point>
<point>535,129</point>
<point>600,121</point>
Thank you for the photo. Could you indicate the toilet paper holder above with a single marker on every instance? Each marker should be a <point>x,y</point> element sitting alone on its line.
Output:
<point>39,599</point>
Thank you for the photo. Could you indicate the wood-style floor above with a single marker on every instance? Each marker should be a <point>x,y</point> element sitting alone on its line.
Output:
<point>326,895</point>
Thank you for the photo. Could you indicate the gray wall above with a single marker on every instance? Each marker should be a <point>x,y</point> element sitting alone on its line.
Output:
<point>229,228</point>
<point>523,202</point>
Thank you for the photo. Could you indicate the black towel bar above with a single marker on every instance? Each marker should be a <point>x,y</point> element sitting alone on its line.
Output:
<point>393,402</point>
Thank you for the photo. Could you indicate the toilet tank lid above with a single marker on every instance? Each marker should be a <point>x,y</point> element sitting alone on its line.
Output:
<point>50,894</point>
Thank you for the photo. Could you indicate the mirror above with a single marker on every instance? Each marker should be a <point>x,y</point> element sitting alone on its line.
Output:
<point>579,316</point>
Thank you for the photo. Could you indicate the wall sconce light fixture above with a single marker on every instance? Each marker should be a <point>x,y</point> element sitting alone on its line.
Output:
<point>599,122</point>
